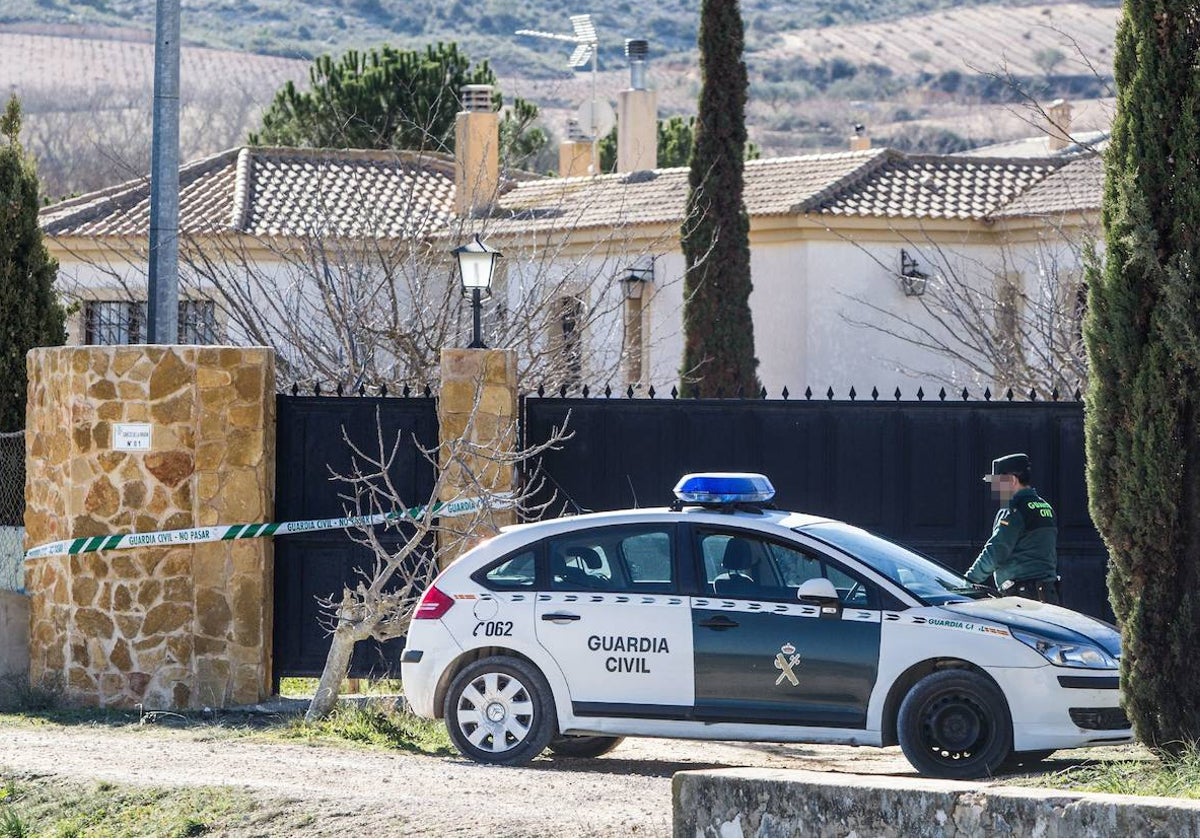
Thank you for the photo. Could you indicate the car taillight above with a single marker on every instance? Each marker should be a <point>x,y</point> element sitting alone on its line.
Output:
<point>434,604</point>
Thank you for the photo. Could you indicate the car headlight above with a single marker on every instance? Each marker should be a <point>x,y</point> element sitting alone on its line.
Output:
<point>1067,654</point>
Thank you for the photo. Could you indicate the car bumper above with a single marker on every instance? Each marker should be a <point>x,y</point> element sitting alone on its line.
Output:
<point>422,665</point>
<point>1046,714</point>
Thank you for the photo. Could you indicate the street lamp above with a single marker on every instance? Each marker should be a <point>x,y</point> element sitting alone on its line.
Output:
<point>476,264</point>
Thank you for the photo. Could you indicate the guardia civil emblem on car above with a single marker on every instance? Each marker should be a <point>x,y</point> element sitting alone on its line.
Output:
<point>720,617</point>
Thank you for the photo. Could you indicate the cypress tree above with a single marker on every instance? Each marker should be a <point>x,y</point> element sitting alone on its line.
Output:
<point>1143,342</point>
<point>30,315</point>
<point>718,355</point>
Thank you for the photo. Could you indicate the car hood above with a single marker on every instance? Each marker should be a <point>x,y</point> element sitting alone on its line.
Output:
<point>1047,620</point>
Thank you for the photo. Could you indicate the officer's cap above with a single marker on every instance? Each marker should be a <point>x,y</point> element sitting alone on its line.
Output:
<point>1014,464</point>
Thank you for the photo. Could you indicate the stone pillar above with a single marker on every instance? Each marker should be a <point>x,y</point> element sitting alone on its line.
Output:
<point>169,627</point>
<point>490,375</point>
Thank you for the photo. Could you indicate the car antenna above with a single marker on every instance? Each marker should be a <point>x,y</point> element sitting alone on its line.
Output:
<point>632,492</point>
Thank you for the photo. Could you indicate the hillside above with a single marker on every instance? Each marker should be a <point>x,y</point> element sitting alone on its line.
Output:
<point>929,79</point>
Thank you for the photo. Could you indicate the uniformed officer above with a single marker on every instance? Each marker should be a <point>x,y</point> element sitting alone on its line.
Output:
<point>1022,551</point>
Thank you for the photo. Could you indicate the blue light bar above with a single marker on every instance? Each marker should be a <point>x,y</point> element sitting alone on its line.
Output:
<point>724,488</point>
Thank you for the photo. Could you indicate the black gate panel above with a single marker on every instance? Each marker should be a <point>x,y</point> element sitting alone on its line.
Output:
<point>312,444</point>
<point>909,470</point>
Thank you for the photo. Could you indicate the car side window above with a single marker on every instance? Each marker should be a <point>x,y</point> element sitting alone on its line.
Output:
<point>738,565</point>
<point>624,559</point>
<point>516,572</point>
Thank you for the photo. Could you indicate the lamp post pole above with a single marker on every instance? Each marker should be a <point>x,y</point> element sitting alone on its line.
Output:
<point>477,339</point>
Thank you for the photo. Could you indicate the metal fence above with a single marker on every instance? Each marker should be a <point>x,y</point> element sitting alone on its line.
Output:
<point>12,509</point>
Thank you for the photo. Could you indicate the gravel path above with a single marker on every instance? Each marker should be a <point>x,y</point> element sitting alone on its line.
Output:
<point>324,790</point>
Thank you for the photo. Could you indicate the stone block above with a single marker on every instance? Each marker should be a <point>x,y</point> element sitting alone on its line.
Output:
<point>177,409</point>
<point>102,390</point>
<point>211,377</point>
<point>102,435</point>
<point>166,618</point>
<point>171,468</point>
<point>102,498</point>
<point>83,591</point>
<point>213,613</point>
<point>119,657</point>
<point>178,589</point>
<point>462,363</point>
<point>244,448</point>
<point>248,601</point>
<point>129,625</point>
<point>247,416</point>
<point>94,624</point>
<point>113,410</point>
<point>170,375</point>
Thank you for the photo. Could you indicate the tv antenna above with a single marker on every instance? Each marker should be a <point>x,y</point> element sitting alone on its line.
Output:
<point>598,118</point>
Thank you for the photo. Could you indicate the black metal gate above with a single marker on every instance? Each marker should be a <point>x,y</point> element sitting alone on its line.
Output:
<point>908,470</point>
<point>311,441</point>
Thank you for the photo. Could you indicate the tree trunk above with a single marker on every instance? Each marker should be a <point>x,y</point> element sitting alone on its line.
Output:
<point>337,663</point>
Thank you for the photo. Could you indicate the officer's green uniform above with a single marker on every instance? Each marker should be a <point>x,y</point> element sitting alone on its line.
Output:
<point>1023,545</point>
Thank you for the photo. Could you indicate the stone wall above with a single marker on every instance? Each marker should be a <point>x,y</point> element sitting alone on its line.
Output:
<point>800,803</point>
<point>168,627</point>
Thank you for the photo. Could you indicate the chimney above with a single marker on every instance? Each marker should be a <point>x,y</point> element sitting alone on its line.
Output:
<point>860,141</point>
<point>1059,114</point>
<point>574,153</point>
<point>637,115</point>
<point>476,151</point>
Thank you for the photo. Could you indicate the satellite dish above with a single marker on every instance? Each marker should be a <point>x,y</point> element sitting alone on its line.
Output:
<point>596,118</point>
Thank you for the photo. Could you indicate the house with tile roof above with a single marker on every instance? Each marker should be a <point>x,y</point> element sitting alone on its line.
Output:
<point>847,251</point>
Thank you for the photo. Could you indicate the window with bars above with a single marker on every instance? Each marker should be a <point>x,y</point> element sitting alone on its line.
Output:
<point>125,322</point>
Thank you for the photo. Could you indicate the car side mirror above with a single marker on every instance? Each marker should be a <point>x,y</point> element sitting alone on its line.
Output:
<point>817,591</point>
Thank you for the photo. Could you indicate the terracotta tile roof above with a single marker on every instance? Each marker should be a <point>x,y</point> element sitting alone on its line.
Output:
<point>898,185</point>
<point>1077,186</point>
<point>266,192</point>
<point>773,186</point>
<point>300,192</point>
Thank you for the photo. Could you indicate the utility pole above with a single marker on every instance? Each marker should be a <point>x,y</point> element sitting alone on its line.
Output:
<point>164,179</point>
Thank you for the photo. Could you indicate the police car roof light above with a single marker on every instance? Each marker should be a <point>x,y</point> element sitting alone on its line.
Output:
<point>724,488</point>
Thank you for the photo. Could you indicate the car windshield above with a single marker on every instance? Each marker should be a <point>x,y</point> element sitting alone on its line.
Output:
<point>926,579</point>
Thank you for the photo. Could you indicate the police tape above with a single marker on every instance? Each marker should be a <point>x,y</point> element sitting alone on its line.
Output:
<point>219,533</point>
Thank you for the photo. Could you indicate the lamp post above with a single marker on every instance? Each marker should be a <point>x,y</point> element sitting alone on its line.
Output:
<point>476,264</point>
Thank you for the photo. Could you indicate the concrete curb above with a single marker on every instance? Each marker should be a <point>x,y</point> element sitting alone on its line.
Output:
<point>800,803</point>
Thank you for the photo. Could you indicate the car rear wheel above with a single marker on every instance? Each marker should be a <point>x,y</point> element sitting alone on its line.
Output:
<point>584,746</point>
<point>500,711</point>
<point>955,725</point>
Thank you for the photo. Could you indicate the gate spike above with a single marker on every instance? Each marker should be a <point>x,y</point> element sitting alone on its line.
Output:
<point>428,391</point>
<point>920,394</point>
<point>1054,395</point>
<point>339,389</point>
<point>562,390</point>
<point>829,393</point>
<point>629,392</point>
<point>362,389</point>
<point>1032,394</point>
<point>853,393</point>
<point>405,391</point>
<point>808,392</point>
<point>674,393</point>
<point>1078,395</point>
<point>786,393</point>
<point>295,388</point>
<point>987,394</point>
<point>607,391</point>
<point>897,394</point>
<point>942,394</point>
<point>762,394</point>
<point>585,392</point>
<point>650,393</point>
<point>874,393</point>
<point>965,395</point>
<point>317,388</point>
<point>383,390</point>
<point>1009,395</point>
<point>541,391</point>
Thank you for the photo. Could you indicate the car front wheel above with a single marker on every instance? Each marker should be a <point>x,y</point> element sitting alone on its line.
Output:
<point>955,725</point>
<point>500,711</point>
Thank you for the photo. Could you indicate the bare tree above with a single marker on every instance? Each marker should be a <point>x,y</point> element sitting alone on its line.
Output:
<point>381,605</point>
<point>1013,319</point>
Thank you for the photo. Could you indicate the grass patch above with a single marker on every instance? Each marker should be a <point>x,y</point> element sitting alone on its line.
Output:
<point>376,725</point>
<point>1177,778</point>
<point>307,687</point>
<point>41,806</point>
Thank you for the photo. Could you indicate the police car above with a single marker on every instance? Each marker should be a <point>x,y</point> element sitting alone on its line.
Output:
<point>720,618</point>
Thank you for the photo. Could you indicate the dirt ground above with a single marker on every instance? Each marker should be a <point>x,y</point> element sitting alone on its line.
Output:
<point>324,790</point>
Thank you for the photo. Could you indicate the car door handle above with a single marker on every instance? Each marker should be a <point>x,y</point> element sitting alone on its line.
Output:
<point>718,622</point>
<point>560,617</point>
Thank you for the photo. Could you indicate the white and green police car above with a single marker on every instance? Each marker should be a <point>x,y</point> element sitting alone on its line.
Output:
<point>718,618</point>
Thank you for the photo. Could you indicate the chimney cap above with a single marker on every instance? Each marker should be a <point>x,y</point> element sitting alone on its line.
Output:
<point>637,49</point>
<point>476,97</point>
